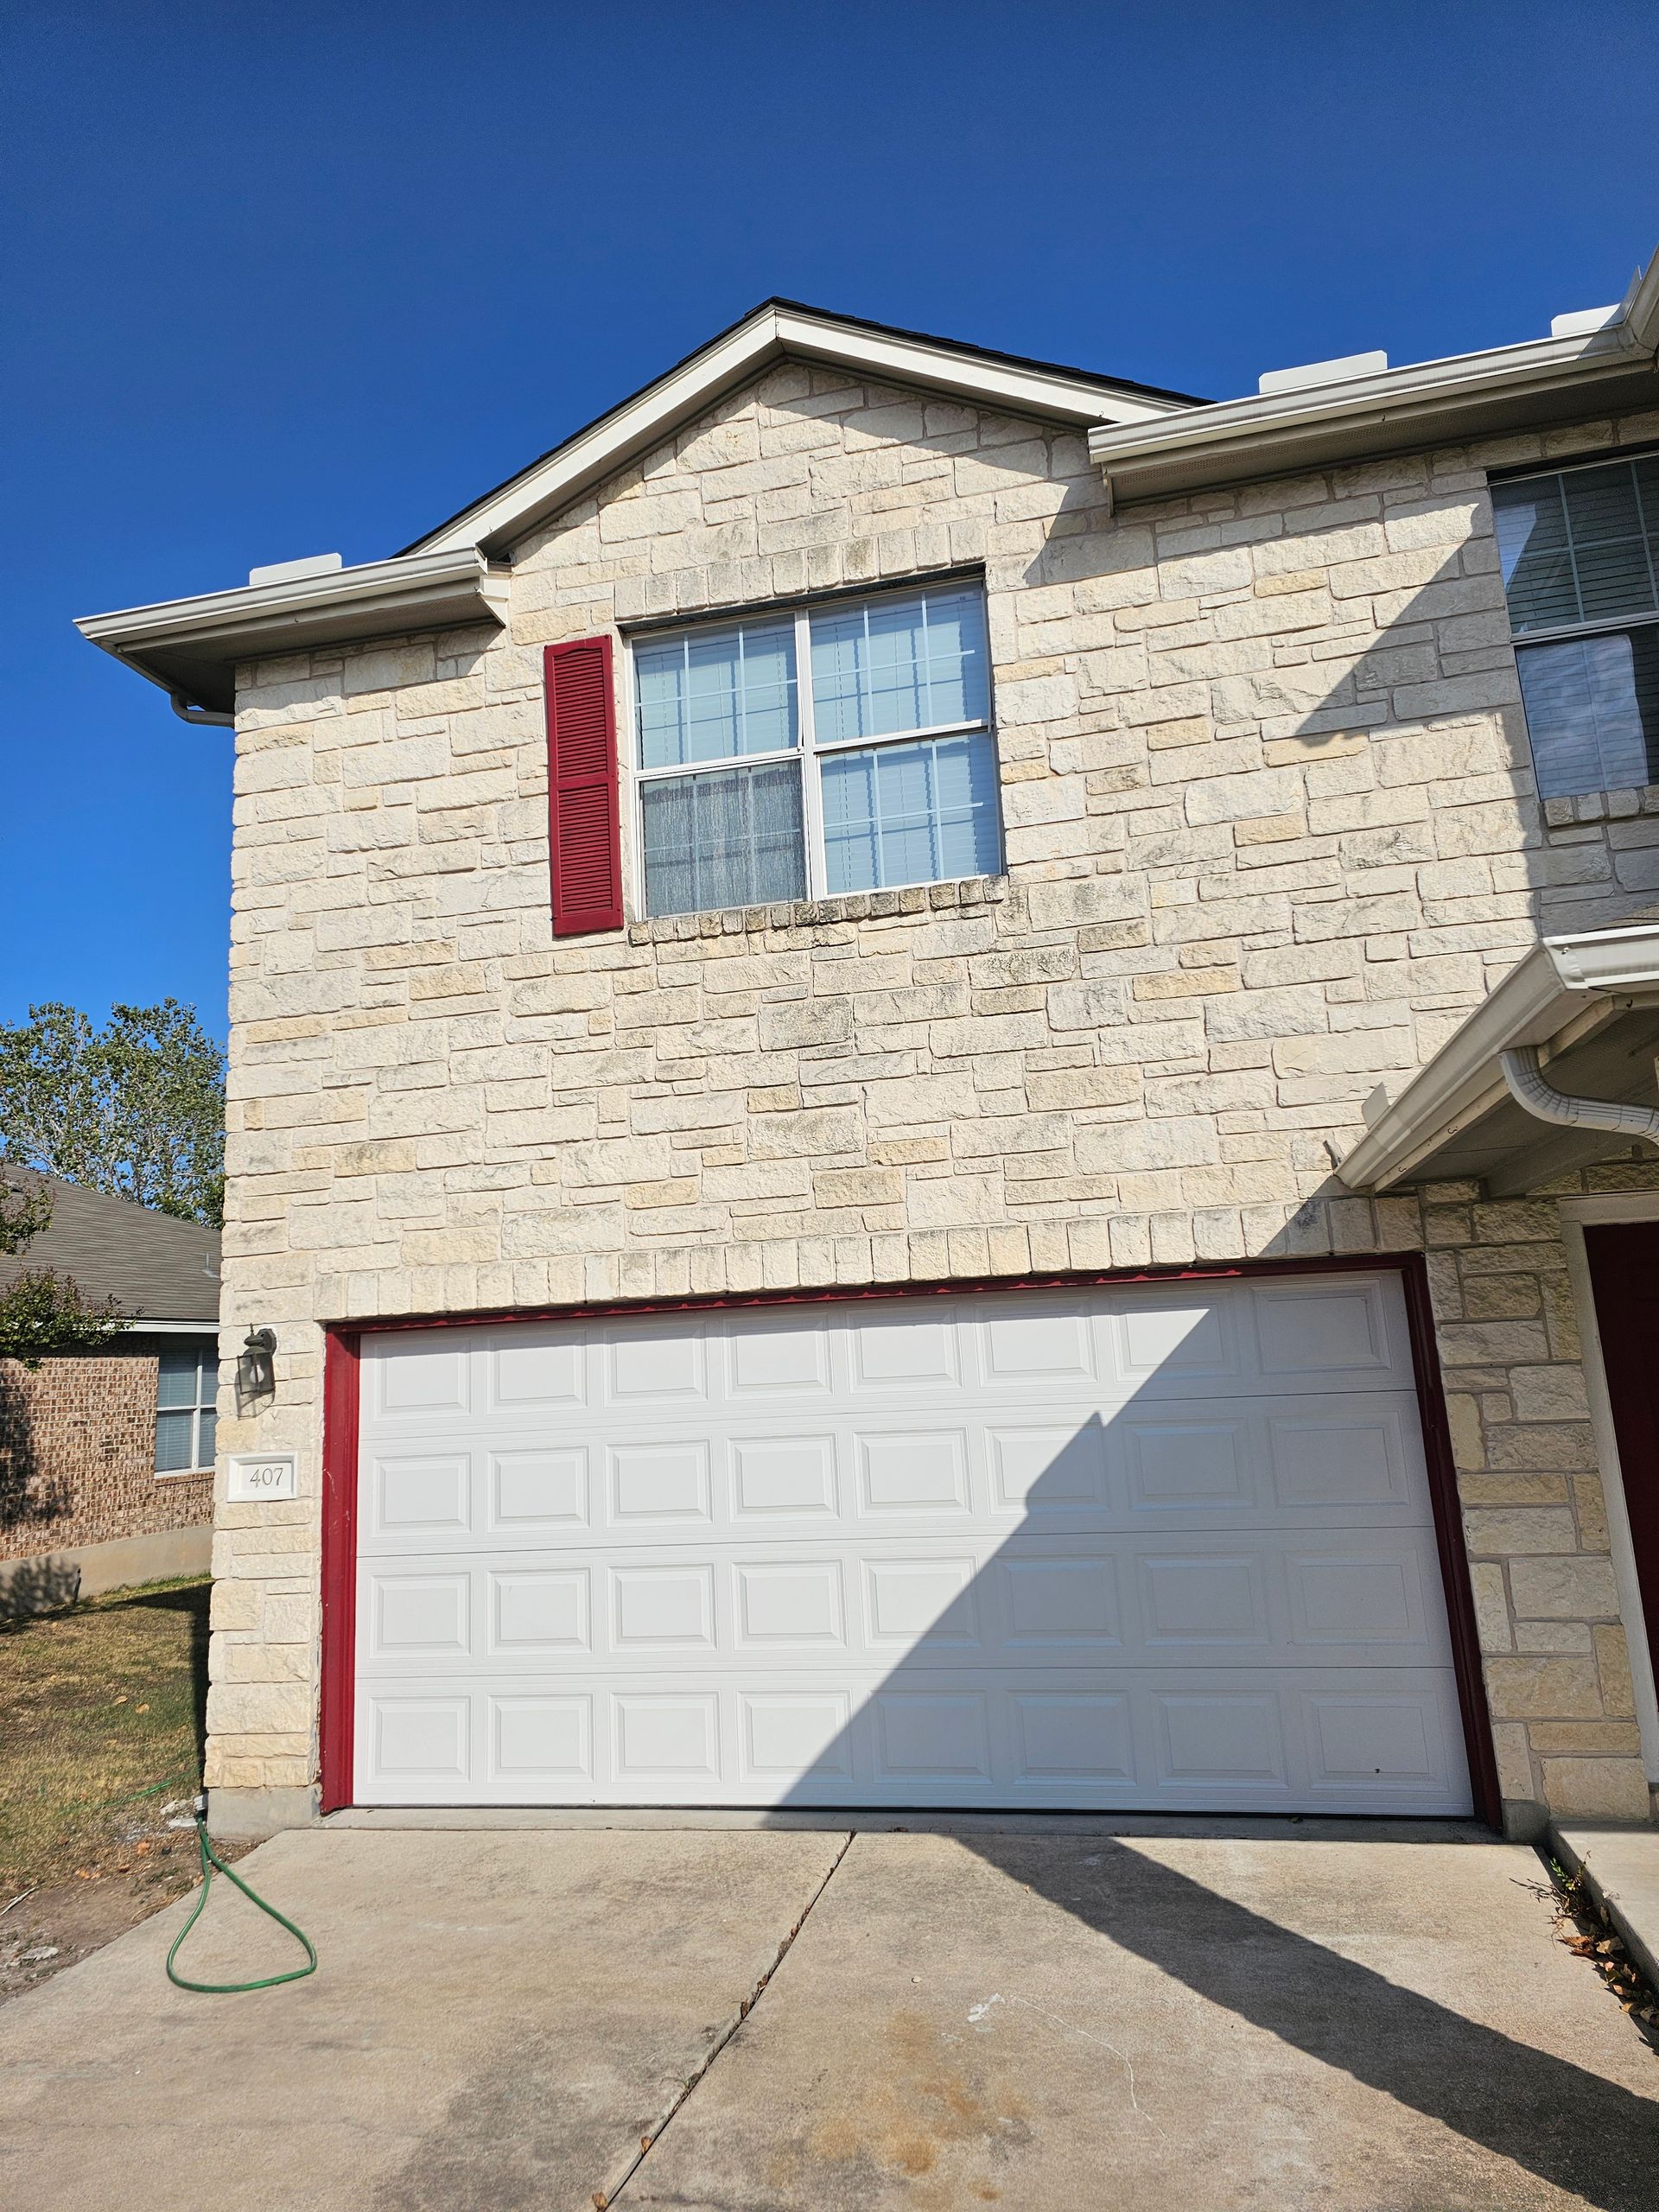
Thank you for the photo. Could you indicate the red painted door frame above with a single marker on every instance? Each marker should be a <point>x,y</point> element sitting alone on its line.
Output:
<point>1623,1258</point>
<point>340,1372</point>
<point>338,1704</point>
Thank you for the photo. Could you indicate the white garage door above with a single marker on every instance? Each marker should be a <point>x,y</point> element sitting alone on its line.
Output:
<point>1120,1547</point>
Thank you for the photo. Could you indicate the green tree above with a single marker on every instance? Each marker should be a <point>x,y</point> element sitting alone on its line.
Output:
<point>40,1310</point>
<point>136,1109</point>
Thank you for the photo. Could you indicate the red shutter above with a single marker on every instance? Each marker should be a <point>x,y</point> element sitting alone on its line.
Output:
<point>584,831</point>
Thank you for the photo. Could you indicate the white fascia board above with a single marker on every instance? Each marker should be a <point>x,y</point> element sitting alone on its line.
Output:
<point>777,334</point>
<point>1022,388</point>
<point>1396,396</point>
<point>256,620</point>
<point>139,1325</point>
<point>1532,1005</point>
<point>253,606</point>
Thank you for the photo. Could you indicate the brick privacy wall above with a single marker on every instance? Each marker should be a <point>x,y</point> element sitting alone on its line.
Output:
<point>1270,835</point>
<point>78,1455</point>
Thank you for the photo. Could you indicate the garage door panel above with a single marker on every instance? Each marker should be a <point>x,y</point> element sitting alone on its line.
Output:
<point>889,1351</point>
<point>804,1733</point>
<point>416,1380</point>
<point>539,1742</point>
<point>532,1488</point>
<point>535,1370</point>
<point>419,1494</point>
<point>1193,1600</point>
<point>783,1359</point>
<point>1054,1741</point>
<point>782,1480</point>
<point>1052,1604</point>
<point>1225,1739</point>
<point>1179,1343</point>
<point>1048,1468</point>
<point>919,1471</point>
<point>538,1613</point>
<point>1046,1345</point>
<point>1122,1547</point>
<point>654,1366</point>
<point>1324,1325</point>
<point>1028,1603</point>
<point>664,1480</point>
<point>1364,1455</point>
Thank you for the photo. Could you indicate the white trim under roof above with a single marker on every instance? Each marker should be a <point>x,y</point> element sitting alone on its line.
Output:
<point>1346,417</point>
<point>780,331</point>
<point>1564,987</point>
<point>191,646</point>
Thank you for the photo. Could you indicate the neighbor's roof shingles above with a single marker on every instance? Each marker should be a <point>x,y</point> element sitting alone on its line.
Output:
<point>153,1266</point>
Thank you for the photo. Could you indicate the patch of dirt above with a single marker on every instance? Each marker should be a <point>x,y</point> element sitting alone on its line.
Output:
<point>58,1924</point>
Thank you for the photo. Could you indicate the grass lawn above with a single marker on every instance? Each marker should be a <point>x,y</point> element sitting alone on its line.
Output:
<point>101,1710</point>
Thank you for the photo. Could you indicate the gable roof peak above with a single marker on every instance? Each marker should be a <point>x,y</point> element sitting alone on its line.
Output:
<point>778,329</point>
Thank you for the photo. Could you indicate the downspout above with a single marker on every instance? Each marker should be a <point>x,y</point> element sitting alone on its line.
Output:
<point>200,716</point>
<point>1545,1103</point>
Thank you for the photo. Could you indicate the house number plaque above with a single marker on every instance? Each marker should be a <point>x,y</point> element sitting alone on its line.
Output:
<point>256,1475</point>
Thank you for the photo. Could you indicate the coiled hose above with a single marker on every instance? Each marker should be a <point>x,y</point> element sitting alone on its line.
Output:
<point>210,1861</point>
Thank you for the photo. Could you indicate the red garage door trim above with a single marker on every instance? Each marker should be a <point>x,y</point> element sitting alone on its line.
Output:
<point>340,1464</point>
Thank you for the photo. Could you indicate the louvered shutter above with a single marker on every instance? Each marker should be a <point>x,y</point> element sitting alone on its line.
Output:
<point>584,826</point>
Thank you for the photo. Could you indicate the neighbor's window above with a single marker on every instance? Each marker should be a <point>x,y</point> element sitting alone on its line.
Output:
<point>1579,551</point>
<point>186,1390</point>
<point>845,747</point>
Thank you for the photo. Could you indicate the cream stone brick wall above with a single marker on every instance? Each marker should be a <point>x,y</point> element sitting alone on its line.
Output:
<point>1270,835</point>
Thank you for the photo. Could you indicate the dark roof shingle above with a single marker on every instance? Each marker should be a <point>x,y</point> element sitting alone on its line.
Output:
<point>150,1264</point>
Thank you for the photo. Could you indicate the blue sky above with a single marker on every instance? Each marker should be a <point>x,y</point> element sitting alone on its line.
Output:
<point>288,279</point>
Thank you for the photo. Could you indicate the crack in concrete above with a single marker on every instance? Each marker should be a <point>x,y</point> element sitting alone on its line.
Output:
<point>606,2196</point>
<point>977,2014</point>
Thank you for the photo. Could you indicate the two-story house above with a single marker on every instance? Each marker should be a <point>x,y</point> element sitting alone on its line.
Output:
<point>941,1088</point>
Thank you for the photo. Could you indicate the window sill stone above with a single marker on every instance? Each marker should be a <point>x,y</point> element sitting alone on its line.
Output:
<point>969,895</point>
<point>1600,806</point>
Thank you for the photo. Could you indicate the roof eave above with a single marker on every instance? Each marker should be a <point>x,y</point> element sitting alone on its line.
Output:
<point>1559,980</point>
<point>1433,402</point>
<point>191,647</point>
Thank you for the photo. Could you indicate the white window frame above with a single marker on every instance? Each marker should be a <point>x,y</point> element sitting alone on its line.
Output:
<point>207,1366</point>
<point>809,751</point>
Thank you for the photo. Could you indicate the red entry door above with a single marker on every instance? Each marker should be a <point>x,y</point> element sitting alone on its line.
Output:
<point>1624,1272</point>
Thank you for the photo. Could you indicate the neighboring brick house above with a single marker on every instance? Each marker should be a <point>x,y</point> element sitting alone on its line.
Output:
<point>1017,837</point>
<point>106,1457</point>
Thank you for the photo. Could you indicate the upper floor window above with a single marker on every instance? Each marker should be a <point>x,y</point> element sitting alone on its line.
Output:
<point>844,747</point>
<point>186,1389</point>
<point>1579,552</point>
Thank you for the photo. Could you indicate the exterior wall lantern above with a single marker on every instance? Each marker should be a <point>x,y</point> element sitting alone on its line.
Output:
<point>256,1368</point>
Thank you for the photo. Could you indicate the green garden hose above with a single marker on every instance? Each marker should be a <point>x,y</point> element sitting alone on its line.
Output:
<point>210,1860</point>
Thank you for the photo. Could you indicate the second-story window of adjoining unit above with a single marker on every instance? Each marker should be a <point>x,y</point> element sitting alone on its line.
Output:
<point>1579,551</point>
<point>876,767</point>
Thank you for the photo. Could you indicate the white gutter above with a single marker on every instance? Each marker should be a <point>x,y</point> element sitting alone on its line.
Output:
<point>1561,978</point>
<point>1263,433</point>
<point>206,636</point>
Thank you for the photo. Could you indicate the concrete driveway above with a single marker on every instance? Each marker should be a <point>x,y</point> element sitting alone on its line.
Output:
<point>1305,2016</point>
